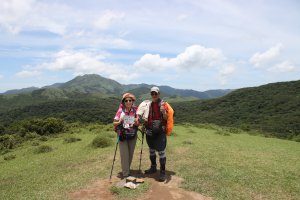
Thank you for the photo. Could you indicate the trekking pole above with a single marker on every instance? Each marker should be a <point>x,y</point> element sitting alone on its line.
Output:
<point>112,167</point>
<point>143,132</point>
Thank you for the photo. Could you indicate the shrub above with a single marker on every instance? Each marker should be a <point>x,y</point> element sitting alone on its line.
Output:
<point>9,141</point>
<point>101,141</point>
<point>52,125</point>
<point>2,130</point>
<point>222,132</point>
<point>296,138</point>
<point>109,128</point>
<point>187,142</point>
<point>111,134</point>
<point>31,135</point>
<point>43,126</point>
<point>43,149</point>
<point>96,127</point>
<point>234,130</point>
<point>43,138</point>
<point>9,157</point>
<point>4,151</point>
<point>245,127</point>
<point>35,144</point>
<point>71,139</point>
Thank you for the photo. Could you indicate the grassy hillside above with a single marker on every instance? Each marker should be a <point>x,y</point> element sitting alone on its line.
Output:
<point>216,163</point>
<point>273,108</point>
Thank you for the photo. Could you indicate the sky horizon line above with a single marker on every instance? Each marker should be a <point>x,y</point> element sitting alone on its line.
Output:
<point>40,87</point>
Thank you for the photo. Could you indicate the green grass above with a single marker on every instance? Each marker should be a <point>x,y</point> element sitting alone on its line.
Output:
<point>235,166</point>
<point>224,166</point>
<point>51,175</point>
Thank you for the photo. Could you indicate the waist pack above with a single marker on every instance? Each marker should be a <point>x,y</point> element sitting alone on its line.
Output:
<point>157,128</point>
<point>126,133</point>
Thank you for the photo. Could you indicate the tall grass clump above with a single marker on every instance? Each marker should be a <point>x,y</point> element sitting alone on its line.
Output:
<point>43,149</point>
<point>71,139</point>
<point>101,141</point>
<point>9,157</point>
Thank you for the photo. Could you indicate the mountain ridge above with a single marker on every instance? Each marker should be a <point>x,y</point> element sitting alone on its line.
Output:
<point>94,83</point>
<point>272,109</point>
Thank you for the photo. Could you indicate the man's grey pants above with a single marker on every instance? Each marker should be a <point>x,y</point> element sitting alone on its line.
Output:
<point>126,152</point>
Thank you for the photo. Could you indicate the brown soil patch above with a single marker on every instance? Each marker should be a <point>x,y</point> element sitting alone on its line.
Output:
<point>168,190</point>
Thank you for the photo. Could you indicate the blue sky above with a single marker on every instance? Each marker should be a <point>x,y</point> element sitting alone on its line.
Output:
<point>186,44</point>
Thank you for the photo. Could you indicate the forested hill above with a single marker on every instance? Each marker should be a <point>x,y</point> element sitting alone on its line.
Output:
<point>273,108</point>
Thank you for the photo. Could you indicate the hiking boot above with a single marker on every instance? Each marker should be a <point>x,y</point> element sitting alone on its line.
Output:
<point>151,170</point>
<point>162,176</point>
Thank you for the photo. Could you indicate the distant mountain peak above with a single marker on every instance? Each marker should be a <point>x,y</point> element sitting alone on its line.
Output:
<point>95,83</point>
<point>91,83</point>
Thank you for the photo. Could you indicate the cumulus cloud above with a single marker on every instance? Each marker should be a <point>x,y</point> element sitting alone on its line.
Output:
<point>16,15</point>
<point>261,59</point>
<point>86,63</point>
<point>108,18</point>
<point>271,58</point>
<point>285,66</point>
<point>27,73</point>
<point>195,56</point>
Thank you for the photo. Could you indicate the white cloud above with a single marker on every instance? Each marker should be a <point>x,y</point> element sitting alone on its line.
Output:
<point>27,73</point>
<point>13,12</point>
<point>32,15</point>
<point>225,72</point>
<point>283,67</point>
<point>261,59</point>
<point>194,56</point>
<point>108,18</point>
<point>1,76</point>
<point>86,63</point>
<point>78,28</point>
<point>271,58</point>
<point>182,17</point>
<point>16,15</point>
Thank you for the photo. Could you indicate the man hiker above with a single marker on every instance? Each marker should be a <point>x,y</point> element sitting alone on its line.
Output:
<point>158,124</point>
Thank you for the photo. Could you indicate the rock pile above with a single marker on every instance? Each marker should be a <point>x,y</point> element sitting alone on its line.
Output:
<point>132,182</point>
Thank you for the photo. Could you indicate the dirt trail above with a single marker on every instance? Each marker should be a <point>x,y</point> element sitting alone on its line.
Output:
<point>168,190</point>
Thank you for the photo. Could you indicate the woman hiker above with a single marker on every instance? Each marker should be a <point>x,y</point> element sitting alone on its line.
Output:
<point>126,126</point>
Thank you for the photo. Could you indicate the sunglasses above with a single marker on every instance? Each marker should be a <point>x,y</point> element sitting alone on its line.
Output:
<point>129,100</point>
<point>153,94</point>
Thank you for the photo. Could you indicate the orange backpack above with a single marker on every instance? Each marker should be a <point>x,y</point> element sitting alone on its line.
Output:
<point>170,119</point>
